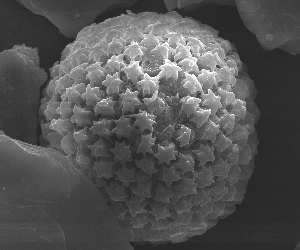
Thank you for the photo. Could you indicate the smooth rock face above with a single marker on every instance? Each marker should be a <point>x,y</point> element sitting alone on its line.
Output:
<point>70,16</point>
<point>46,202</point>
<point>275,23</point>
<point>195,4</point>
<point>20,82</point>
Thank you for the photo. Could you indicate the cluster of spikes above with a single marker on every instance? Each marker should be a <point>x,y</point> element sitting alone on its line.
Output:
<point>153,109</point>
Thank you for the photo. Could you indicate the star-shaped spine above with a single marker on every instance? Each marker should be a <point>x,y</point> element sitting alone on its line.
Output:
<point>141,176</point>
<point>207,78</point>
<point>121,152</point>
<point>91,95</point>
<point>112,83</point>
<point>148,84</point>
<point>239,109</point>
<point>142,190</point>
<point>186,163</point>
<point>145,145</point>
<point>63,83</point>
<point>80,135</point>
<point>80,88</point>
<point>96,53</point>
<point>227,75</point>
<point>98,149</point>
<point>163,194</point>
<point>211,60</point>
<point>133,34</point>
<point>201,116</point>
<point>162,50</point>
<point>78,74</point>
<point>182,207</point>
<point>103,169</point>
<point>183,217</point>
<point>204,154</point>
<point>65,109</point>
<point>129,100</point>
<point>144,121</point>
<point>227,121</point>
<point>220,168</point>
<point>169,69</point>
<point>202,197</point>
<point>115,46</point>
<point>165,154</point>
<point>147,165</point>
<point>193,41</point>
<point>211,131</point>
<point>226,97</point>
<point>72,95</point>
<point>61,125</point>
<point>222,142</point>
<point>133,71</point>
<point>151,40</point>
<point>105,107</point>
<point>101,128</point>
<point>148,101</point>
<point>190,105</point>
<point>157,29</point>
<point>170,175</point>
<point>68,144</point>
<point>81,116</point>
<point>185,135</point>
<point>174,38</point>
<point>187,186</point>
<point>116,192</point>
<point>50,109</point>
<point>123,127</point>
<point>133,50</point>
<point>126,176</point>
<point>191,83</point>
<point>189,64</point>
<point>136,207</point>
<point>211,101</point>
<point>161,212</point>
<point>115,63</point>
<point>183,52</point>
<point>96,73</point>
<point>205,177</point>
<point>140,219</point>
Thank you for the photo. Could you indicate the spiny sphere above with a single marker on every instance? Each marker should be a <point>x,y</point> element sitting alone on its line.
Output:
<point>156,111</point>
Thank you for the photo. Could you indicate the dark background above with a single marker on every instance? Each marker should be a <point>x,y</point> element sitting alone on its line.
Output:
<point>269,216</point>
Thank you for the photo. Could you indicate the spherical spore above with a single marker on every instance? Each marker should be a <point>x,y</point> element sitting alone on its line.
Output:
<point>156,110</point>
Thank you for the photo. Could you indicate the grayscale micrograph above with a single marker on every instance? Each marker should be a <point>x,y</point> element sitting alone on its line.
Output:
<point>149,124</point>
